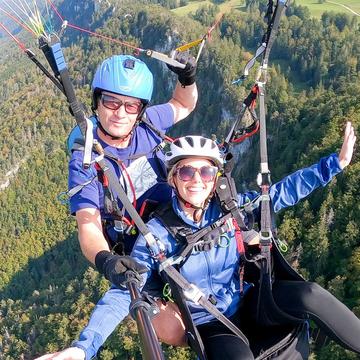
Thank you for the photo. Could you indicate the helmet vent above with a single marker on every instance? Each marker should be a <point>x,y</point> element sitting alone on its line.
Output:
<point>190,140</point>
<point>177,143</point>
<point>202,142</point>
<point>129,64</point>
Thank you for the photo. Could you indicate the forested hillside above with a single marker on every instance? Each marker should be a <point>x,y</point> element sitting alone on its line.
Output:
<point>47,289</point>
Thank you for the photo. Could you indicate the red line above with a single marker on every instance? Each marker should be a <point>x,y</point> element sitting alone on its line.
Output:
<point>215,24</point>
<point>21,45</point>
<point>104,37</point>
<point>169,139</point>
<point>18,21</point>
<point>123,43</point>
<point>91,32</point>
<point>56,10</point>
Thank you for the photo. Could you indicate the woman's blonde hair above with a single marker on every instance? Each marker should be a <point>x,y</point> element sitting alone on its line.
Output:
<point>171,174</point>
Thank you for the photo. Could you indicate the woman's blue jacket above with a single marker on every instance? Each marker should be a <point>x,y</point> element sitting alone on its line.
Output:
<point>213,272</point>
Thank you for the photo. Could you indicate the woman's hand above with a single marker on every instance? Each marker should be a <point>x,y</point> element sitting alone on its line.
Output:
<point>347,148</point>
<point>72,353</point>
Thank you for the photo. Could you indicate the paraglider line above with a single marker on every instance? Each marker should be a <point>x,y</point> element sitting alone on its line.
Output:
<point>18,22</point>
<point>56,10</point>
<point>20,44</point>
<point>105,37</point>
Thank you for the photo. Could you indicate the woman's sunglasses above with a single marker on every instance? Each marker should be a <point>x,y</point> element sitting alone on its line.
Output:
<point>113,103</point>
<point>187,173</point>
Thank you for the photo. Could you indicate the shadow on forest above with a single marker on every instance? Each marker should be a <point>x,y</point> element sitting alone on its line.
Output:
<point>58,266</point>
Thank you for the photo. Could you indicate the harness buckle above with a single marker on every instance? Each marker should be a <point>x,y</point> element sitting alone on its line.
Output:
<point>122,227</point>
<point>266,238</point>
<point>194,294</point>
<point>174,260</point>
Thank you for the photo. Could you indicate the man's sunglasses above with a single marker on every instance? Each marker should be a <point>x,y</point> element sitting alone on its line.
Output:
<point>187,173</point>
<point>113,103</point>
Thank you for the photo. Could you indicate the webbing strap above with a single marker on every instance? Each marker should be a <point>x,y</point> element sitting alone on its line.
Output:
<point>216,229</point>
<point>192,333</point>
<point>120,192</point>
<point>264,176</point>
<point>55,81</point>
<point>273,28</point>
<point>53,53</point>
<point>192,293</point>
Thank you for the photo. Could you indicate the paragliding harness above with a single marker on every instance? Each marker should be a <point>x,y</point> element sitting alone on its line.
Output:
<point>233,219</point>
<point>202,240</point>
<point>116,222</point>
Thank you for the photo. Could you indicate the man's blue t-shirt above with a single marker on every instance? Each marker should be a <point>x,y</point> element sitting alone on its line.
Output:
<point>139,163</point>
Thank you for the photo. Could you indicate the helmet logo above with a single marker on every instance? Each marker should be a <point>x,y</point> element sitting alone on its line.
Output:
<point>125,88</point>
<point>129,64</point>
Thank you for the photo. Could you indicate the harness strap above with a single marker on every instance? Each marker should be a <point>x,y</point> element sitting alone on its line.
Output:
<point>201,240</point>
<point>111,206</point>
<point>53,53</point>
<point>183,234</point>
<point>194,294</point>
<point>192,333</point>
<point>79,145</point>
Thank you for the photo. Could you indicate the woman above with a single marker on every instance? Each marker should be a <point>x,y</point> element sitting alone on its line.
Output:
<point>193,164</point>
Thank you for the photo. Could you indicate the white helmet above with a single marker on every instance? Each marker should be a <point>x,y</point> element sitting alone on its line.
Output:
<point>193,146</point>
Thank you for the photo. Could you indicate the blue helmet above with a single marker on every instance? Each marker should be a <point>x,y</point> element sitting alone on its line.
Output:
<point>123,75</point>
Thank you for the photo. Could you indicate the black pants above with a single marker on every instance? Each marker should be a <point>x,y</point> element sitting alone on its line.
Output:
<point>309,300</point>
<point>302,299</point>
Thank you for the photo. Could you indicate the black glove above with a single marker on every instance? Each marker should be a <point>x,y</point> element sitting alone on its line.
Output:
<point>186,76</point>
<point>114,267</point>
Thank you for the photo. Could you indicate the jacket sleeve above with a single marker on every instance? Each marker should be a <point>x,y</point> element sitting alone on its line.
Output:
<point>108,313</point>
<point>112,308</point>
<point>291,189</point>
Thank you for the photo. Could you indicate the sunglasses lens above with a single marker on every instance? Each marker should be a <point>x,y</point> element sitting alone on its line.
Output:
<point>186,173</point>
<point>207,173</point>
<point>114,104</point>
<point>110,102</point>
<point>132,108</point>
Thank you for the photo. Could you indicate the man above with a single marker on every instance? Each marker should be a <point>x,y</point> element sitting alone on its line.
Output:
<point>122,89</point>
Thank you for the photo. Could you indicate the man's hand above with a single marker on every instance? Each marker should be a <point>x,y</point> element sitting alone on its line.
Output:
<point>186,76</point>
<point>114,267</point>
<point>72,353</point>
<point>347,148</point>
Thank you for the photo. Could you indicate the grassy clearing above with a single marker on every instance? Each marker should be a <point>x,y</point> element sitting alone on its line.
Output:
<point>316,9</point>
<point>194,5</point>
